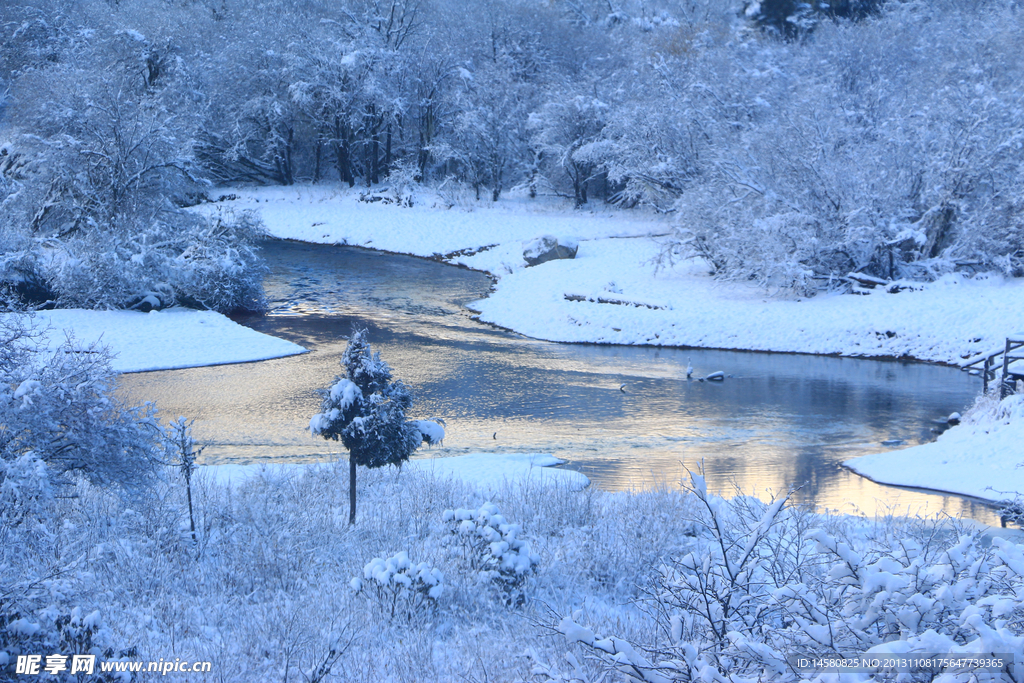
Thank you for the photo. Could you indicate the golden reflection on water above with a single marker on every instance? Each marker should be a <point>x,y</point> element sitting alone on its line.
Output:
<point>625,416</point>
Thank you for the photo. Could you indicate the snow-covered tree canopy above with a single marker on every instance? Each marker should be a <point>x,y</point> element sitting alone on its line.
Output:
<point>795,142</point>
<point>365,410</point>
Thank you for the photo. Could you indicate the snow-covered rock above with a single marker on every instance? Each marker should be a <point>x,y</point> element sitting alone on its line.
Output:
<point>548,248</point>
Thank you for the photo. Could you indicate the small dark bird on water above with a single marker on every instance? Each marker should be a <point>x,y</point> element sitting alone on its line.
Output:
<point>622,388</point>
<point>495,436</point>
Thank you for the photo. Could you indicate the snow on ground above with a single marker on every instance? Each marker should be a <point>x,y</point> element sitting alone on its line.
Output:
<point>981,457</point>
<point>682,305</point>
<point>484,471</point>
<point>489,471</point>
<point>328,214</point>
<point>163,340</point>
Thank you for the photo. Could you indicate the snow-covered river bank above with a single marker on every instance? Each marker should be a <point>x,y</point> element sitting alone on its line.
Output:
<point>942,322</point>
<point>660,421</point>
<point>625,416</point>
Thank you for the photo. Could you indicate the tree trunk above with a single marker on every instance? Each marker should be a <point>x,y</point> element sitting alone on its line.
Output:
<point>191,517</point>
<point>376,158</point>
<point>316,163</point>
<point>351,490</point>
<point>341,153</point>
<point>344,166</point>
<point>289,175</point>
<point>577,193</point>
<point>579,185</point>
<point>426,137</point>
<point>367,165</point>
<point>387,152</point>
<point>496,176</point>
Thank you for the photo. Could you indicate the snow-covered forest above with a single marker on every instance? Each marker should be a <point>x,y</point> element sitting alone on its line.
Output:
<point>793,143</point>
<point>145,146</point>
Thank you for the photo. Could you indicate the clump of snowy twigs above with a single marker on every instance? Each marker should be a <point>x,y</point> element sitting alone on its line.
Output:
<point>399,586</point>
<point>766,584</point>
<point>63,437</point>
<point>492,547</point>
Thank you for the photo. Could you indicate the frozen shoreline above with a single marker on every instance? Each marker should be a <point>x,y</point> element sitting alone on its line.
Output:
<point>161,340</point>
<point>572,301</point>
<point>979,458</point>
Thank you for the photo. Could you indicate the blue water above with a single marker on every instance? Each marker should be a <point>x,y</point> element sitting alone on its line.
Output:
<point>626,416</point>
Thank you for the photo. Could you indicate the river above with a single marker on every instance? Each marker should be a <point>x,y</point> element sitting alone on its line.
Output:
<point>626,416</point>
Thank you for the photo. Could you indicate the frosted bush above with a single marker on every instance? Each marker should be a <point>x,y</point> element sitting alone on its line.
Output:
<point>763,587</point>
<point>58,630</point>
<point>399,586</point>
<point>58,407</point>
<point>25,490</point>
<point>492,547</point>
<point>452,193</point>
<point>196,262</point>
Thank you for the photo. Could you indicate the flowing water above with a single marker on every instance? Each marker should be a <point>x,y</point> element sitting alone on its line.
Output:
<point>625,416</point>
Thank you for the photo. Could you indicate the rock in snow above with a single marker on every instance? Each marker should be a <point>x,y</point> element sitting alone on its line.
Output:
<point>547,248</point>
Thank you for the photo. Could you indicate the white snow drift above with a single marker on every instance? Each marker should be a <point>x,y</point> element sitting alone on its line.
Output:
<point>163,340</point>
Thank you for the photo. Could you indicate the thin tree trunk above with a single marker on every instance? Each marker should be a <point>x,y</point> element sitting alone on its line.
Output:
<point>426,137</point>
<point>387,152</point>
<point>316,165</point>
<point>191,518</point>
<point>351,490</point>
<point>367,169</point>
<point>376,157</point>
<point>341,152</point>
<point>289,176</point>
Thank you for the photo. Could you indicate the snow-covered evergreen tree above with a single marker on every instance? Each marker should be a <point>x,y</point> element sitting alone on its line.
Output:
<point>365,410</point>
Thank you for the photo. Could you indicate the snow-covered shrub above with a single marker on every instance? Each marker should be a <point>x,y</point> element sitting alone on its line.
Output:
<point>25,491</point>
<point>493,548</point>
<point>218,265</point>
<point>196,261</point>
<point>54,629</point>
<point>453,193</point>
<point>182,449</point>
<point>96,167</point>
<point>852,152</point>
<point>398,586</point>
<point>59,409</point>
<point>431,430</point>
<point>402,184</point>
<point>763,587</point>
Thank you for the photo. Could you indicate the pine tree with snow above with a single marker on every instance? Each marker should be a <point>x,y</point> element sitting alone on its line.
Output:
<point>365,410</point>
